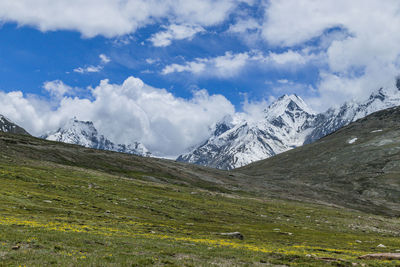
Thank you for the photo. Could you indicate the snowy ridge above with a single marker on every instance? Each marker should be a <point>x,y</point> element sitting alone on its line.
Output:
<point>7,126</point>
<point>287,123</point>
<point>334,119</point>
<point>244,141</point>
<point>85,134</point>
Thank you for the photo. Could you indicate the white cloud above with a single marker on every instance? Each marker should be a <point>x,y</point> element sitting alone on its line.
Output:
<point>152,60</point>
<point>231,64</point>
<point>244,26</point>
<point>112,18</point>
<point>362,54</point>
<point>57,88</point>
<point>222,66</point>
<point>175,32</point>
<point>127,112</point>
<point>247,29</point>
<point>104,59</point>
<point>284,86</point>
<point>89,69</point>
<point>283,81</point>
<point>253,110</point>
<point>197,66</point>
<point>288,57</point>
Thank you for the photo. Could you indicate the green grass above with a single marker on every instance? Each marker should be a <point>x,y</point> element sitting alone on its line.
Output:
<point>64,215</point>
<point>65,205</point>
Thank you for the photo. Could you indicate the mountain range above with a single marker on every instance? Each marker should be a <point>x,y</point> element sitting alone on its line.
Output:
<point>356,167</point>
<point>287,123</point>
<point>239,140</point>
<point>85,134</point>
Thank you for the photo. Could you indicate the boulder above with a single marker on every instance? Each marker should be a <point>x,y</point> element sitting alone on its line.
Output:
<point>237,235</point>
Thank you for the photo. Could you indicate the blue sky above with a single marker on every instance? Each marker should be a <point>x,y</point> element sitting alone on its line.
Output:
<point>166,71</point>
<point>30,57</point>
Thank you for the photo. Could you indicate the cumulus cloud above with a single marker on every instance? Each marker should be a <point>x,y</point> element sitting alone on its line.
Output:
<point>112,18</point>
<point>57,88</point>
<point>230,64</point>
<point>127,112</point>
<point>175,32</point>
<point>361,56</point>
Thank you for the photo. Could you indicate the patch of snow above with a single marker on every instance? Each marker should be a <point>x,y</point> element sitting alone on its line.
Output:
<point>377,131</point>
<point>352,141</point>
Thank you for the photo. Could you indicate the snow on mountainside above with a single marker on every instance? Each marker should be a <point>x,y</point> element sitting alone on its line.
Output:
<point>287,123</point>
<point>85,134</point>
<point>8,126</point>
<point>238,142</point>
<point>336,118</point>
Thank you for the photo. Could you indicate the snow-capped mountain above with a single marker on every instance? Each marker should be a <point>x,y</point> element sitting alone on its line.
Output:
<point>7,126</point>
<point>238,141</point>
<point>85,134</point>
<point>336,118</point>
<point>286,124</point>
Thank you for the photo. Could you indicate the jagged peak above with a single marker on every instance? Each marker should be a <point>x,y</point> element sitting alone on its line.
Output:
<point>75,121</point>
<point>84,133</point>
<point>286,102</point>
<point>78,125</point>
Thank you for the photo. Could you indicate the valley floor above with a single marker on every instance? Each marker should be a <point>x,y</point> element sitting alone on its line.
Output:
<point>53,214</point>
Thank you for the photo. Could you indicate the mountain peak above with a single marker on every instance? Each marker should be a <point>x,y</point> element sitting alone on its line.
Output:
<point>74,123</point>
<point>287,103</point>
<point>250,139</point>
<point>85,134</point>
<point>7,126</point>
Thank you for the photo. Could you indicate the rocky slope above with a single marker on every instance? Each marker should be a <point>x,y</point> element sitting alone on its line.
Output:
<point>85,134</point>
<point>8,126</point>
<point>286,124</point>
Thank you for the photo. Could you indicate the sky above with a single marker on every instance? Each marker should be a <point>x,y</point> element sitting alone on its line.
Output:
<point>162,72</point>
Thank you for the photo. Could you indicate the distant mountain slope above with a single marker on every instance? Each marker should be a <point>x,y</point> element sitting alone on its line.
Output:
<point>8,126</point>
<point>286,124</point>
<point>358,167</point>
<point>85,134</point>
